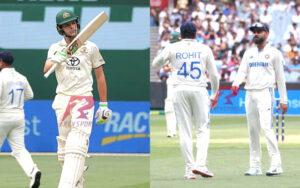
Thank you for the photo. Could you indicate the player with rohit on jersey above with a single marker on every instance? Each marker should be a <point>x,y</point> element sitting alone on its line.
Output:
<point>190,60</point>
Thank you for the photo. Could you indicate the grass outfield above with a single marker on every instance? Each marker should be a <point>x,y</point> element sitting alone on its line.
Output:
<point>228,156</point>
<point>104,171</point>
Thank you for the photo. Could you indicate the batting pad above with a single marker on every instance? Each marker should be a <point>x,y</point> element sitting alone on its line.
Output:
<point>75,152</point>
<point>24,159</point>
<point>171,123</point>
<point>61,142</point>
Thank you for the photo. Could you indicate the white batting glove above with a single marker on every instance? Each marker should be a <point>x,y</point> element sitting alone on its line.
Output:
<point>103,113</point>
<point>59,57</point>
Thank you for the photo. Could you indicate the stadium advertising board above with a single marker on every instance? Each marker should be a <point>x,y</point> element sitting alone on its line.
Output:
<point>231,105</point>
<point>127,132</point>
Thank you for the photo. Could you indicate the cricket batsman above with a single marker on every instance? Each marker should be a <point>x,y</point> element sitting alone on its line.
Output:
<point>263,67</point>
<point>169,109</point>
<point>190,60</point>
<point>74,102</point>
<point>14,90</point>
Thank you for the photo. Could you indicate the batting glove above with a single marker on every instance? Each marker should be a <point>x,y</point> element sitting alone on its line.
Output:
<point>103,113</point>
<point>59,57</point>
<point>235,90</point>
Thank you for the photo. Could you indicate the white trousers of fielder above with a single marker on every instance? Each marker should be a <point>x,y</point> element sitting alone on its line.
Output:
<point>191,104</point>
<point>12,126</point>
<point>259,109</point>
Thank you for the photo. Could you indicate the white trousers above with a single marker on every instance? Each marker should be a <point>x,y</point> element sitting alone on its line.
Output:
<point>191,104</point>
<point>75,119</point>
<point>12,126</point>
<point>259,110</point>
<point>74,112</point>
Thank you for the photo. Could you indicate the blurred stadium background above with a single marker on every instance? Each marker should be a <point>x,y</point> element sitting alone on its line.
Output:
<point>223,25</point>
<point>28,30</point>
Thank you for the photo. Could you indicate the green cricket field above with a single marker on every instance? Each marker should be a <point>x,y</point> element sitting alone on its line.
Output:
<point>228,156</point>
<point>103,171</point>
<point>228,159</point>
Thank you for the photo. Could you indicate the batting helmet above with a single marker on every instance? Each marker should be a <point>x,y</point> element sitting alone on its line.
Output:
<point>174,36</point>
<point>260,26</point>
<point>65,16</point>
<point>188,30</point>
<point>7,57</point>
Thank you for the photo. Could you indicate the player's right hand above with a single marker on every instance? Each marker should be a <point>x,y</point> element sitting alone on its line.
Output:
<point>59,57</point>
<point>283,107</point>
<point>103,113</point>
<point>235,90</point>
<point>215,101</point>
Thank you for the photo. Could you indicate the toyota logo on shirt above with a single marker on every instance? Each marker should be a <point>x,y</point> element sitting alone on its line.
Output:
<point>73,61</point>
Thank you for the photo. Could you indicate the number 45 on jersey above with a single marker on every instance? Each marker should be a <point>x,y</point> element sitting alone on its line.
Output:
<point>184,72</point>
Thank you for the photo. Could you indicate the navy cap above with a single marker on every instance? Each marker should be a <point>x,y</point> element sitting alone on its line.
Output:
<point>7,57</point>
<point>188,29</point>
<point>261,26</point>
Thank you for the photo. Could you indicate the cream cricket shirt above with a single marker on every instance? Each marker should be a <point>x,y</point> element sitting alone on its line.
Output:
<point>75,78</point>
<point>190,60</point>
<point>263,69</point>
<point>14,90</point>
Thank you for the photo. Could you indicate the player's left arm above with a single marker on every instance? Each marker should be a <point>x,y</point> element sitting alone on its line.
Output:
<point>101,84</point>
<point>280,79</point>
<point>213,74</point>
<point>28,93</point>
<point>103,113</point>
<point>214,78</point>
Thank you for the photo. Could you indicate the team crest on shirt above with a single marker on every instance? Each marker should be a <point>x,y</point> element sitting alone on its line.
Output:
<point>251,57</point>
<point>73,63</point>
<point>267,56</point>
<point>83,50</point>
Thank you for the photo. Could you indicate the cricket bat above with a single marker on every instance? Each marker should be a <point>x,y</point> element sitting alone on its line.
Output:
<point>85,34</point>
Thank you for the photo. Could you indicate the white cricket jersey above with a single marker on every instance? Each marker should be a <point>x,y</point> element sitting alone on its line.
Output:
<point>14,90</point>
<point>75,78</point>
<point>190,60</point>
<point>263,68</point>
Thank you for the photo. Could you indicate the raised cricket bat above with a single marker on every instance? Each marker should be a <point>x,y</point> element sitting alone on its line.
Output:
<point>85,34</point>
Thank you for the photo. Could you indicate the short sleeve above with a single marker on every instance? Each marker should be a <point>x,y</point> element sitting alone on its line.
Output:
<point>51,51</point>
<point>96,58</point>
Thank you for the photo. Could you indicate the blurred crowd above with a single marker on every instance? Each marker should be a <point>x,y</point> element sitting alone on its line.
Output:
<point>224,26</point>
